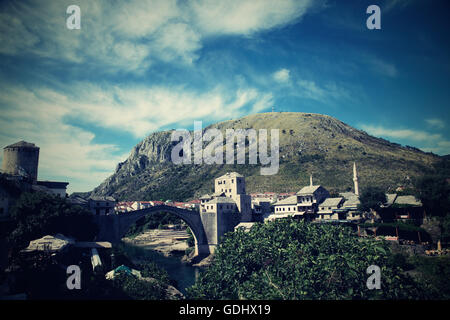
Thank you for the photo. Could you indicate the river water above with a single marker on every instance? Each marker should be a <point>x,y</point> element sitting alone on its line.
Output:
<point>184,274</point>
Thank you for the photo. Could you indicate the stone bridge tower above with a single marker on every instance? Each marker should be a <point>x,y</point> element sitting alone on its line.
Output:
<point>21,159</point>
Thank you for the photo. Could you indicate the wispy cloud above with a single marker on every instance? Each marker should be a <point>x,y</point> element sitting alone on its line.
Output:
<point>325,93</point>
<point>435,123</point>
<point>46,116</point>
<point>67,152</point>
<point>424,140</point>
<point>395,4</point>
<point>246,17</point>
<point>137,34</point>
<point>140,110</point>
<point>382,67</point>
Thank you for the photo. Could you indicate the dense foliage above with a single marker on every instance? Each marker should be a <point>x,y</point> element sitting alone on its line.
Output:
<point>434,192</point>
<point>287,259</point>
<point>38,214</point>
<point>371,198</point>
<point>433,273</point>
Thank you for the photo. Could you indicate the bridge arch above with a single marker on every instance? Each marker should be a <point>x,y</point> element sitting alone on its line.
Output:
<point>190,217</point>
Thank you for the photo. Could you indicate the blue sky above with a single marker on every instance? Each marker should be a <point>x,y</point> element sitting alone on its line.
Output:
<point>87,96</point>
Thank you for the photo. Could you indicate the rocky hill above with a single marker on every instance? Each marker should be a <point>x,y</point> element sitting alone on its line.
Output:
<point>309,144</point>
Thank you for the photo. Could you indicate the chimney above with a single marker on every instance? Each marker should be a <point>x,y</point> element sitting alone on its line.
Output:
<point>310,180</point>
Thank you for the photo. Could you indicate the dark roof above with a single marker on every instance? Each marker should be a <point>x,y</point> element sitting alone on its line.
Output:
<point>53,184</point>
<point>22,144</point>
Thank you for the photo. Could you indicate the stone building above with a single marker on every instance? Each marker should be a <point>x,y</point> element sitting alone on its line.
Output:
<point>309,198</point>
<point>223,210</point>
<point>304,204</point>
<point>101,205</point>
<point>20,173</point>
<point>232,185</point>
<point>21,159</point>
<point>52,187</point>
<point>329,209</point>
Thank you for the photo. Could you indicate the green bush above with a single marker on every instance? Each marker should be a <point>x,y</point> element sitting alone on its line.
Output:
<point>287,259</point>
<point>38,214</point>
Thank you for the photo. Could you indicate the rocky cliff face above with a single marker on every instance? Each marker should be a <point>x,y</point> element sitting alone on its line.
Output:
<point>309,144</point>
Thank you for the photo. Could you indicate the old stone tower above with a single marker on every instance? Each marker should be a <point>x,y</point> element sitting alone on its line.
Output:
<point>21,159</point>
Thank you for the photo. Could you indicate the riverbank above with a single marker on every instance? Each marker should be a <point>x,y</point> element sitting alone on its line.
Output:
<point>169,242</point>
<point>184,274</point>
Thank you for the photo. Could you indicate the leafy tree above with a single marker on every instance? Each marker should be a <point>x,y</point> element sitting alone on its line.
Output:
<point>287,259</point>
<point>137,289</point>
<point>434,193</point>
<point>190,240</point>
<point>372,198</point>
<point>38,214</point>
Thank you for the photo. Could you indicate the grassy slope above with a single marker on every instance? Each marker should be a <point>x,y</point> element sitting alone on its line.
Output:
<point>309,143</point>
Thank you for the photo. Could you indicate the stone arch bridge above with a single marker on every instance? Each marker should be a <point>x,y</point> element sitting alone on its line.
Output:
<point>113,227</point>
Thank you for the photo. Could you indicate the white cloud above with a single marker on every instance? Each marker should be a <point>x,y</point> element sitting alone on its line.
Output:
<point>141,110</point>
<point>246,17</point>
<point>70,153</point>
<point>132,35</point>
<point>435,123</point>
<point>67,152</point>
<point>281,75</point>
<point>323,93</point>
<point>424,140</point>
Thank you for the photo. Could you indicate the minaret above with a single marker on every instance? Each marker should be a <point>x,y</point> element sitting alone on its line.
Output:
<point>355,179</point>
<point>310,180</point>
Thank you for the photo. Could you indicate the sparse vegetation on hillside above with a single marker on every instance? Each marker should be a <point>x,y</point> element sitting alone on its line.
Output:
<point>312,144</point>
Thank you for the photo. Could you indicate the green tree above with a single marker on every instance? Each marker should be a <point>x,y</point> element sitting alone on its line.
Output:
<point>371,198</point>
<point>287,259</point>
<point>434,193</point>
<point>38,214</point>
<point>136,289</point>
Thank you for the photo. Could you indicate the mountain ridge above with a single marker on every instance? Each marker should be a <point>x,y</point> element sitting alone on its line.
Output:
<point>310,143</point>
